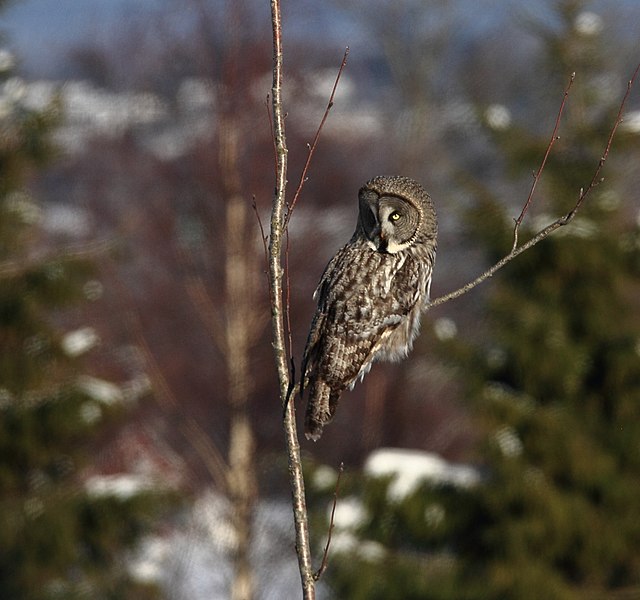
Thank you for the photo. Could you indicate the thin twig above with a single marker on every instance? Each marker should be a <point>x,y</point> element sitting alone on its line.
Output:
<point>287,302</point>
<point>596,179</point>
<point>303,179</point>
<point>271,133</point>
<point>262,234</point>
<point>293,388</point>
<point>536,177</point>
<point>264,238</point>
<point>325,555</point>
<point>312,147</point>
<point>560,222</point>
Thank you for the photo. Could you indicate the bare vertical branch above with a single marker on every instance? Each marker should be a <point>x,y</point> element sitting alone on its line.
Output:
<point>277,313</point>
<point>596,179</point>
<point>287,301</point>
<point>278,207</point>
<point>536,177</point>
<point>313,145</point>
<point>325,556</point>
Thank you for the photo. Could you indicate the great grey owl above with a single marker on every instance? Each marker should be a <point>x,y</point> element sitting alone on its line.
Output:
<point>370,295</point>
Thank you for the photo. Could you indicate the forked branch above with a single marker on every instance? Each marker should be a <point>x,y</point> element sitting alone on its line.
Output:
<point>559,222</point>
<point>536,176</point>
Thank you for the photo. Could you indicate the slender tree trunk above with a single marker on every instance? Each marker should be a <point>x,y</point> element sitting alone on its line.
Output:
<point>239,307</point>
<point>296,477</point>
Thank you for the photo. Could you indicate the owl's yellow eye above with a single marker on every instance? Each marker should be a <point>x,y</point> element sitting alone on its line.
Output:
<point>394,216</point>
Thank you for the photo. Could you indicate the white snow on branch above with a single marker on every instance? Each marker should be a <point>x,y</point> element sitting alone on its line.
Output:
<point>410,468</point>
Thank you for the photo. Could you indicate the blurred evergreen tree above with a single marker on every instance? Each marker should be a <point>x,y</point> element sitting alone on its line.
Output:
<point>56,539</point>
<point>554,383</point>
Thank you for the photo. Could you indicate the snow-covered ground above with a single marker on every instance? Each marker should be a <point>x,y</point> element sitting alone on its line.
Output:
<point>193,563</point>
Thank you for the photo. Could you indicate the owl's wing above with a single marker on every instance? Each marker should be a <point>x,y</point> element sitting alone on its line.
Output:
<point>321,295</point>
<point>362,300</point>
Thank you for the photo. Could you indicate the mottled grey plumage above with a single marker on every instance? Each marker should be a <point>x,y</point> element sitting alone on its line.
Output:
<point>370,295</point>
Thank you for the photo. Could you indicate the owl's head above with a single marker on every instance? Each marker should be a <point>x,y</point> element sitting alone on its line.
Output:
<point>396,213</point>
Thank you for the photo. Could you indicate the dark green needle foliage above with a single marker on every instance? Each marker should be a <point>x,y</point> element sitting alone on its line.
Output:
<point>553,375</point>
<point>56,540</point>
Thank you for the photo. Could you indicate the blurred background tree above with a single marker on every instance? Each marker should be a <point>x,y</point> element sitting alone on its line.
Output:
<point>60,537</point>
<point>558,378</point>
<point>553,378</point>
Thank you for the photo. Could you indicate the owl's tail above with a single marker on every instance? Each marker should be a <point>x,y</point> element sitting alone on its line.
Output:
<point>320,408</point>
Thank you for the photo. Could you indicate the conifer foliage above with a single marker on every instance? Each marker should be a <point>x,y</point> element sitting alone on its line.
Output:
<point>553,378</point>
<point>57,540</point>
<point>556,384</point>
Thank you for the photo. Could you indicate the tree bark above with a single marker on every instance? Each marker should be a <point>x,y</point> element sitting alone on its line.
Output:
<point>240,299</point>
<point>303,550</point>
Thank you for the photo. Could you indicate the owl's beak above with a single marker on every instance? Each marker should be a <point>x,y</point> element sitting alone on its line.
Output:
<point>379,239</point>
